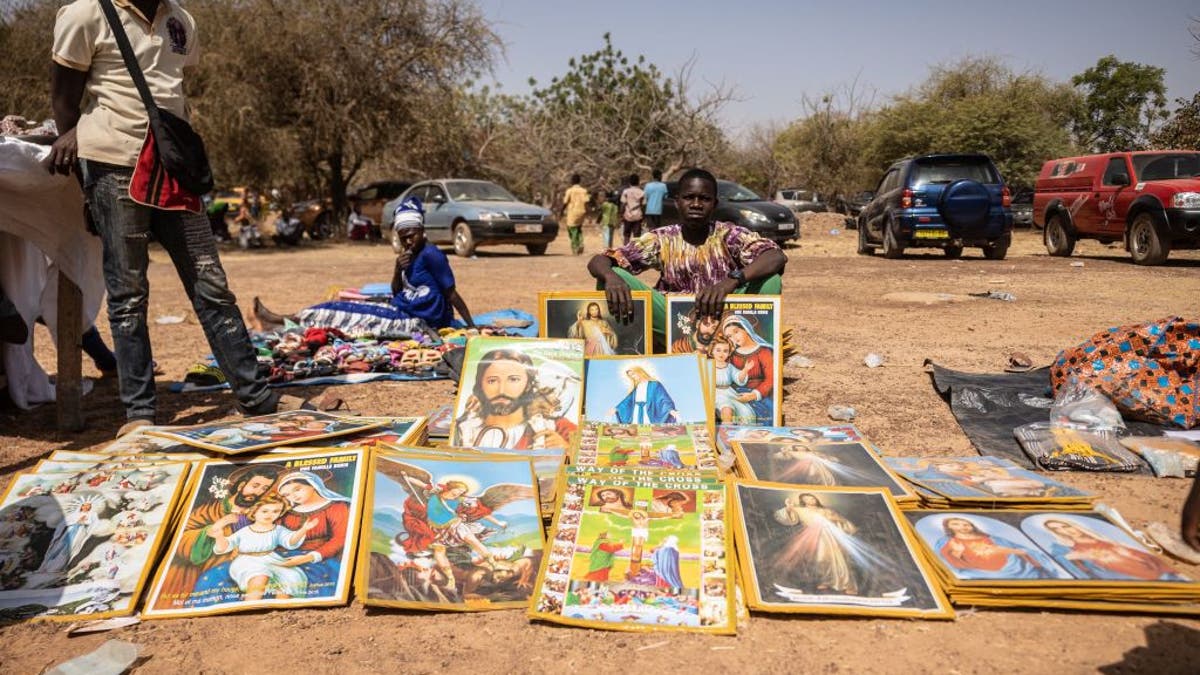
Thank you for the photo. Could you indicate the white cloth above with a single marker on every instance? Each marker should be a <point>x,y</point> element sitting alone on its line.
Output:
<point>257,558</point>
<point>42,232</point>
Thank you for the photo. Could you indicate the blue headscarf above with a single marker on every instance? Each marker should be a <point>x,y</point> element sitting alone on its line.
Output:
<point>409,214</point>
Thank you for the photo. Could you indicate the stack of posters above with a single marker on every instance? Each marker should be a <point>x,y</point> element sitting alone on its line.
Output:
<point>80,538</point>
<point>584,315</point>
<point>745,346</point>
<point>394,431</point>
<point>831,551</point>
<point>1052,559</point>
<point>727,434</point>
<point>256,434</point>
<point>647,446</point>
<point>450,533</point>
<point>277,531</point>
<point>803,462</point>
<point>518,394</point>
<point>648,390</point>
<point>985,482</point>
<point>638,550</point>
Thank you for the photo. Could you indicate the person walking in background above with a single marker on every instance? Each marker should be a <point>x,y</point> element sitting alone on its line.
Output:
<point>608,217</point>
<point>655,192</point>
<point>575,202</point>
<point>633,201</point>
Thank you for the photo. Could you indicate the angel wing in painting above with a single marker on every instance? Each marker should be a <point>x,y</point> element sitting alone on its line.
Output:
<point>441,515</point>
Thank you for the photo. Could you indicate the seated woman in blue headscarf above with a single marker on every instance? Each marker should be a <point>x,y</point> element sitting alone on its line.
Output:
<point>424,294</point>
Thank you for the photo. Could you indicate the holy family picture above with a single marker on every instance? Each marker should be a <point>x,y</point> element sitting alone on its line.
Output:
<point>745,345</point>
<point>259,433</point>
<point>263,533</point>
<point>1018,546</point>
<point>819,550</point>
<point>518,394</point>
<point>448,533</point>
<point>647,390</point>
<point>585,316</point>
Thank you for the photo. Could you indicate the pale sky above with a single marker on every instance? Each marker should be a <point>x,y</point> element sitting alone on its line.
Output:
<point>775,51</point>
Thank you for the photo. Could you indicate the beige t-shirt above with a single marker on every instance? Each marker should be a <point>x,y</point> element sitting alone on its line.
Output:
<point>113,124</point>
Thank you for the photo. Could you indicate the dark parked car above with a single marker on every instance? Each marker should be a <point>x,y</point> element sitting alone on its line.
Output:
<point>742,206</point>
<point>946,201</point>
<point>1022,208</point>
<point>471,213</point>
<point>858,202</point>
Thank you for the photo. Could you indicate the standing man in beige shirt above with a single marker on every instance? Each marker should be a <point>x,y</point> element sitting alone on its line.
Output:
<point>575,203</point>
<point>106,135</point>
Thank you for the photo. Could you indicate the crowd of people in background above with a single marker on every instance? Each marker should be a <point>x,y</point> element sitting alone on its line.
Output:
<point>636,208</point>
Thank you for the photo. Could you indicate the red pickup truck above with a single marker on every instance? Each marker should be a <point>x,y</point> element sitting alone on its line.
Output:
<point>1150,200</point>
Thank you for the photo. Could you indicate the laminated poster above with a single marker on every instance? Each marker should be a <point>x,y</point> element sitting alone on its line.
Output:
<point>518,394</point>
<point>745,345</point>
<point>273,532</point>
<point>450,534</point>
<point>83,542</point>
<point>584,315</point>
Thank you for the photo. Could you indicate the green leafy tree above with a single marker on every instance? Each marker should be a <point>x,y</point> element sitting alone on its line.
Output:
<point>1123,103</point>
<point>305,92</point>
<point>609,114</point>
<point>1181,131</point>
<point>824,150</point>
<point>976,105</point>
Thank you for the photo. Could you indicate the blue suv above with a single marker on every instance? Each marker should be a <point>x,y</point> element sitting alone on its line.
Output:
<point>948,201</point>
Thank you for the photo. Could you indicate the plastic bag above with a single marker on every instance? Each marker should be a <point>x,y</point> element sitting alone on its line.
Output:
<point>1080,406</point>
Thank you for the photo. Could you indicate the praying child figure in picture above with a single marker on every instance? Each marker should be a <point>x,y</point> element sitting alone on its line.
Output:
<point>256,566</point>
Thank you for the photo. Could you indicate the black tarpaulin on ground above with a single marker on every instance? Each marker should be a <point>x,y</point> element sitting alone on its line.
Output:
<point>988,406</point>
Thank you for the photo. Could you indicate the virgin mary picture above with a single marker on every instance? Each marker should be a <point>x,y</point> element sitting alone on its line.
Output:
<point>754,358</point>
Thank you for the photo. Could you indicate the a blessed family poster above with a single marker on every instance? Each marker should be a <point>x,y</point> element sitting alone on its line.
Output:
<point>745,344</point>
<point>273,532</point>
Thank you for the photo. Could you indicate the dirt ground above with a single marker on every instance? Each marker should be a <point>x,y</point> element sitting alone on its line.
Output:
<point>835,302</point>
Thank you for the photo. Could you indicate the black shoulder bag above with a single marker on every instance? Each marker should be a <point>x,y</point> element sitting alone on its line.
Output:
<point>173,144</point>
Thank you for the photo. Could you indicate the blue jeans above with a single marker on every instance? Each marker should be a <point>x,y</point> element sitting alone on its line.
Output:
<point>125,229</point>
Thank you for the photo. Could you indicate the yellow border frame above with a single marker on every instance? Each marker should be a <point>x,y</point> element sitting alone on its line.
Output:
<point>346,570</point>
<point>746,471</point>
<point>730,610</point>
<point>1181,589</point>
<point>777,340</point>
<point>647,315</point>
<point>754,598</point>
<point>970,502</point>
<point>173,433</point>
<point>362,570</point>
<point>706,390</point>
<point>153,551</point>
<point>464,391</point>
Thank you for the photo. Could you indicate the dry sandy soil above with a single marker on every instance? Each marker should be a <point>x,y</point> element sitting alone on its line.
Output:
<point>834,301</point>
